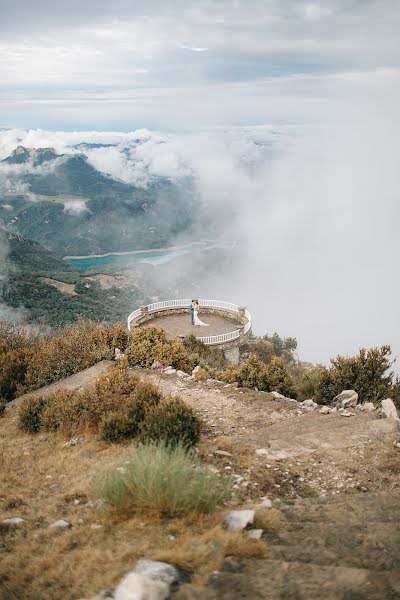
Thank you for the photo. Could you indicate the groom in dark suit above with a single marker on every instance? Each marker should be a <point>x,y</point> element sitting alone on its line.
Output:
<point>192,312</point>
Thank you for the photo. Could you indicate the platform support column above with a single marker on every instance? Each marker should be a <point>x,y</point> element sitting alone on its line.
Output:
<point>232,355</point>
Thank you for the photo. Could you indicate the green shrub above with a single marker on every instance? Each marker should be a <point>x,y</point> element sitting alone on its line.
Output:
<point>126,422</point>
<point>148,344</point>
<point>119,338</point>
<point>254,373</point>
<point>115,427</point>
<point>268,346</point>
<point>143,345</point>
<point>172,421</point>
<point>145,397</point>
<point>109,393</point>
<point>368,373</point>
<point>162,479</point>
<point>205,356</point>
<point>279,378</point>
<point>30,413</point>
<point>64,411</point>
<point>318,384</point>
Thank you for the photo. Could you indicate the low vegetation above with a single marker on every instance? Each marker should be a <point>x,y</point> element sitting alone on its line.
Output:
<point>149,345</point>
<point>163,479</point>
<point>368,373</point>
<point>118,406</point>
<point>32,358</point>
<point>267,347</point>
<point>267,377</point>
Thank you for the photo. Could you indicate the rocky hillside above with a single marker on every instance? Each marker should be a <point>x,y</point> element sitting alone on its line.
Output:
<point>320,489</point>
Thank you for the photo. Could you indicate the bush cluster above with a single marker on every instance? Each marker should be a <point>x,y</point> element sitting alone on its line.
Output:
<point>168,480</point>
<point>269,346</point>
<point>267,377</point>
<point>30,359</point>
<point>147,345</point>
<point>117,405</point>
<point>368,373</point>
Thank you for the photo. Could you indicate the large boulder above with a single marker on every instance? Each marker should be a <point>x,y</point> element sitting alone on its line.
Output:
<point>308,405</point>
<point>346,399</point>
<point>157,571</point>
<point>388,410</point>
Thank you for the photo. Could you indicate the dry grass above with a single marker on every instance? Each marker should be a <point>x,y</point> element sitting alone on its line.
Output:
<point>41,480</point>
<point>40,563</point>
<point>206,552</point>
<point>269,519</point>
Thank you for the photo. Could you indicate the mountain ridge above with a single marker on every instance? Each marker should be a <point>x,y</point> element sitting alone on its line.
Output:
<point>112,215</point>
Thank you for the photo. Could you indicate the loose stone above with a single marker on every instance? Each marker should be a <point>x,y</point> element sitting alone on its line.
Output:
<point>255,534</point>
<point>61,524</point>
<point>239,519</point>
<point>14,521</point>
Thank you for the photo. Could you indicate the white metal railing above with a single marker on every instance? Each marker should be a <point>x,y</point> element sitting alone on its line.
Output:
<point>132,316</point>
<point>220,339</point>
<point>185,303</point>
<point>169,304</point>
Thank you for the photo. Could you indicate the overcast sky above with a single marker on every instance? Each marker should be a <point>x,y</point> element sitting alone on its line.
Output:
<point>180,64</point>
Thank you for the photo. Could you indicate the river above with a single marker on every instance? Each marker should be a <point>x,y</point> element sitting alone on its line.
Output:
<point>153,256</point>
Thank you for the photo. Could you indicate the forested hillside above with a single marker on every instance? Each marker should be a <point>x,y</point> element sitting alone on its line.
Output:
<point>33,277</point>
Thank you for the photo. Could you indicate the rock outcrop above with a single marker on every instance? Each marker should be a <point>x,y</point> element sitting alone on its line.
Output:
<point>388,410</point>
<point>346,399</point>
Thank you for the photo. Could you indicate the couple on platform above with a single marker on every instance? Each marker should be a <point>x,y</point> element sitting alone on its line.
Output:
<point>194,312</point>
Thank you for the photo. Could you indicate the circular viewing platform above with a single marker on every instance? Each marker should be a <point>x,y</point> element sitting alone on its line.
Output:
<point>228,324</point>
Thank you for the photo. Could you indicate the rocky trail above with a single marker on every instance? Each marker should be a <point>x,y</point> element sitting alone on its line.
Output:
<point>341,548</point>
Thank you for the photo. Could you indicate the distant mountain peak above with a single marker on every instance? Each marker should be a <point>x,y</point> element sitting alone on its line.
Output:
<point>37,156</point>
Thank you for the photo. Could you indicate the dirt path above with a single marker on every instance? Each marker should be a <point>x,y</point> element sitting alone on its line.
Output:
<point>225,410</point>
<point>74,382</point>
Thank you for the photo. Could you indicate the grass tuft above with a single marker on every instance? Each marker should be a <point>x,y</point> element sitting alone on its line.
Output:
<point>269,519</point>
<point>162,479</point>
<point>205,553</point>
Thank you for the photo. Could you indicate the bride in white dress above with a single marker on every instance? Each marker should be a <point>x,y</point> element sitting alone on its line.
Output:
<point>197,321</point>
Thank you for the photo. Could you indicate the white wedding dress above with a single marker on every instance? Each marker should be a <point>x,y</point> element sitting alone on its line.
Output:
<point>197,321</point>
